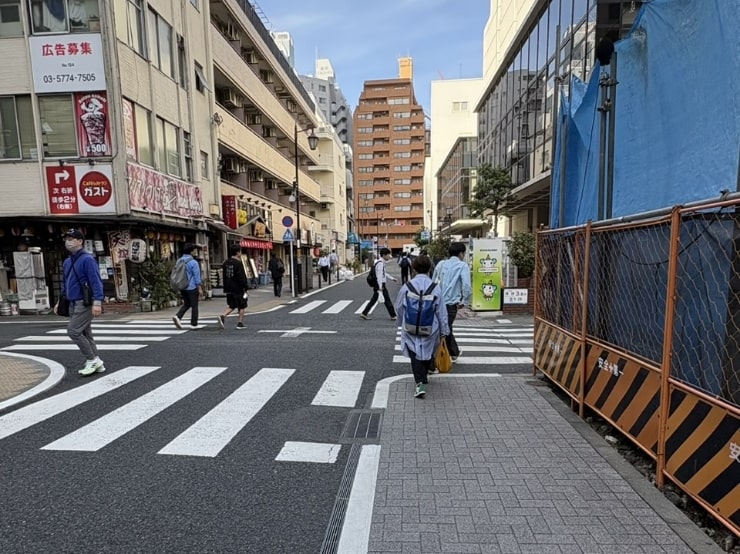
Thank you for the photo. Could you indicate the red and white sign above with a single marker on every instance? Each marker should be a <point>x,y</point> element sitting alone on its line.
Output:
<point>128,130</point>
<point>228,204</point>
<point>93,127</point>
<point>256,244</point>
<point>80,189</point>
<point>151,190</point>
<point>67,63</point>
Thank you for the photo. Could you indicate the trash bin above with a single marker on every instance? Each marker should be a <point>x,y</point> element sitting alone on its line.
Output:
<point>264,278</point>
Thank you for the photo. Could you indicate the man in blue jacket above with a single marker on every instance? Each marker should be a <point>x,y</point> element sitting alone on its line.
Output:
<point>191,293</point>
<point>453,276</point>
<point>80,272</point>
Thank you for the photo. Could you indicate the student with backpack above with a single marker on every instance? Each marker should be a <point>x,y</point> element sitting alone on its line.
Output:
<point>186,277</point>
<point>376,279</point>
<point>422,317</point>
<point>277,270</point>
<point>236,285</point>
<point>405,264</point>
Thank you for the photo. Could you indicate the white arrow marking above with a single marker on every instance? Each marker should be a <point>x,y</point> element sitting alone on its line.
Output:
<point>61,176</point>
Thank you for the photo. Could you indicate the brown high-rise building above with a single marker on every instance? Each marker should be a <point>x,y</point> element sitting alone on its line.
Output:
<point>389,148</point>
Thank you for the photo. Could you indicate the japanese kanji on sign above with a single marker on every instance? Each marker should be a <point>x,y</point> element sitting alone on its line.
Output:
<point>67,63</point>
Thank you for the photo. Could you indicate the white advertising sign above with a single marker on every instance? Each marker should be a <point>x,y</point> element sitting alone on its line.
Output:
<point>67,63</point>
<point>516,296</point>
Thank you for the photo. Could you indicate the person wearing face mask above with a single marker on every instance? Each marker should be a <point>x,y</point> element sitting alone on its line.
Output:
<point>80,272</point>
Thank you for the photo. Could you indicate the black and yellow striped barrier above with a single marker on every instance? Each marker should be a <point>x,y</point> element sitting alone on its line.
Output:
<point>558,355</point>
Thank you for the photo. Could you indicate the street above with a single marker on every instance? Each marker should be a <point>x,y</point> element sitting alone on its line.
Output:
<point>207,440</point>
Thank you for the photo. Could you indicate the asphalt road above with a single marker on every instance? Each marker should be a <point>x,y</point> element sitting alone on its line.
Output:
<point>166,480</point>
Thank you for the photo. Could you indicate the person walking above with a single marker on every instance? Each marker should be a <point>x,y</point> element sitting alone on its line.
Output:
<point>381,276</point>
<point>83,287</point>
<point>405,264</point>
<point>453,276</point>
<point>323,264</point>
<point>236,285</point>
<point>420,349</point>
<point>277,270</point>
<point>334,263</point>
<point>189,294</point>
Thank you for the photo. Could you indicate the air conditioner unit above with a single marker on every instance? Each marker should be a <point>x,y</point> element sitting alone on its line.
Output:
<point>234,165</point>
<point>254,119</point>
<point>232,99</point>
<point>255,175</point>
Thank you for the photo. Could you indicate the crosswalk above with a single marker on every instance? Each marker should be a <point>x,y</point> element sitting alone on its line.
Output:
<point>109,336</point>
<point>210,432</point>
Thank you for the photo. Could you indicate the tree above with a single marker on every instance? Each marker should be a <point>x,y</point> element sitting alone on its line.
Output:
<point>418,240</point>
<point>521,253</point>
<point>439,248</point>
<point>492,192</point>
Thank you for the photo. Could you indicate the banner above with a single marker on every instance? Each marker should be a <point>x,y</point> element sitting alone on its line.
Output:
<point>153,191</point>
<point>93,127</point>
<point>128,130</point>
<point>228,205</point>
<point>487,274</point>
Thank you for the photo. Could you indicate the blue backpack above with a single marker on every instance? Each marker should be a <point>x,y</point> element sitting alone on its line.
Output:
<point>418,318</point>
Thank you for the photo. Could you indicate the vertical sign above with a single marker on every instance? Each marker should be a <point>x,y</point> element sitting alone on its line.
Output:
<point>62,189</point>
<point>93,127</point>
<point>487,274</point>
<point>228,203</point>
<point>128,130</point>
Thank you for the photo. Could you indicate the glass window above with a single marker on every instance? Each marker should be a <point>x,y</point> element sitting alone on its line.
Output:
<point>181,62</point>
<point>48,17</point>
<point>201,83</point>
<point>187,145</point>
<point>160,44</point>
<point>204,173</point>
<point>194,3</point>
<point>58,125</point>
<point>135,27</point>
<point>161,150</point>
<point>10,144</point>
<point>173,149</point>
<point>26,127</point>
<point>143,123</point>
<point>10,18</point>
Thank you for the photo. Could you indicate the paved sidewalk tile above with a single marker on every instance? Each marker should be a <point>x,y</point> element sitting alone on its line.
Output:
<point>18,375</point>
<point>489,466</point>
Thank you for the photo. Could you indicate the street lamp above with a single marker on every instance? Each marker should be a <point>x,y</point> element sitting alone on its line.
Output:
<point>313,142</point>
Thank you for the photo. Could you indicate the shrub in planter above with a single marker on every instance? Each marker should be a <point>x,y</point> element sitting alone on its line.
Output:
<point>521,253</point>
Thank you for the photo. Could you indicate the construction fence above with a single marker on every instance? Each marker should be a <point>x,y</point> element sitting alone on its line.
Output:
<point>639,320</point>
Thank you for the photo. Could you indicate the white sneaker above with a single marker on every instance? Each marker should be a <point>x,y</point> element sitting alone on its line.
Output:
<point>177,322</point>
<point>193,327</point>
<point>92,366</point>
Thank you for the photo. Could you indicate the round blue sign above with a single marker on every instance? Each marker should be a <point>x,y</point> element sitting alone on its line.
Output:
<point>287,221</point>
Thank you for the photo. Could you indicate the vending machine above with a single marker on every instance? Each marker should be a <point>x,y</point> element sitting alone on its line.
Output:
<point>487,262</point>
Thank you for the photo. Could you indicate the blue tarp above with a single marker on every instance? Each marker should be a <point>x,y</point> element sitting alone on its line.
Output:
<point>677,132</point>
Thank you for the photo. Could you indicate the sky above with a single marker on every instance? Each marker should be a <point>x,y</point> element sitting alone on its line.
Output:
<point>364,40</point>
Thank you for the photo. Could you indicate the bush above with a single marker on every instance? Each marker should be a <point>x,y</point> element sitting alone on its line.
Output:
<point>521,253</point>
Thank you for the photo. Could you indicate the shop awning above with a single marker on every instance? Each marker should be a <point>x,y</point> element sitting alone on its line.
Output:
<point>257,244</point>
<point>218,226</point>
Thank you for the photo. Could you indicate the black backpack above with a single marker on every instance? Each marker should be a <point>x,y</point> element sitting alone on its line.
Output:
<point>405,262</point>
<point>372,278</point>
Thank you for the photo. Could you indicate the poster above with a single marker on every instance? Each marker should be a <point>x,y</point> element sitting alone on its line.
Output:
<point>153,191</point>
<point>93,125</point>
<point>128,130</point>
<point>228,204</point>
<point>487,281</point>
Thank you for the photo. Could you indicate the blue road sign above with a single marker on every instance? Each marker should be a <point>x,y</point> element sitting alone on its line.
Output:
<point>424,235</point>
<point>287,222</point>
<point>288,236</point>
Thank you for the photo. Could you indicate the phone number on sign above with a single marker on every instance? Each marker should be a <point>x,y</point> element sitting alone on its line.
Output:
<point>70,78</point>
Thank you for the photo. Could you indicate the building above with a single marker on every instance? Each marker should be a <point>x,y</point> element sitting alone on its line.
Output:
<point>390,150</point>
<point>285,43</point>
<point>531,50</point>
<point>330,99</point>
<point>456,180</point>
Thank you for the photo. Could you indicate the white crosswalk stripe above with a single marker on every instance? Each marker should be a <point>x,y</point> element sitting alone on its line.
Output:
<point>337,307</point>
<point>308,307</point>
<point>340,389</point>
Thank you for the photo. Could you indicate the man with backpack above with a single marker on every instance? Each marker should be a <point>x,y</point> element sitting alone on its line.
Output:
<point>376,279</point>
<point>186,277</point>
<point>423,321</point>
<point>453,276</point>
<point>236,285</point>
<point>405,264</point>
<point>277,270</point>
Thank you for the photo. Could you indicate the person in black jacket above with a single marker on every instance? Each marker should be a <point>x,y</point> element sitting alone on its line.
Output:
<point>236,285</point>
<point>277,269</point>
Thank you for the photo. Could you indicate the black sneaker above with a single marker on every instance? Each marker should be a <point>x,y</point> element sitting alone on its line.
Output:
<point>240,325</point>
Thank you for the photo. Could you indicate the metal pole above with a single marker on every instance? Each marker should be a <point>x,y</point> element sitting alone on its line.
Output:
<point>603,84</point>
<point>610,149</point>
<point>297,193</point>
<point>292,268</point>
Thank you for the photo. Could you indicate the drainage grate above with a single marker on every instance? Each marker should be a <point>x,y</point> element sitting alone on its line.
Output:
<point>362,425</point>
<point>331,538</point>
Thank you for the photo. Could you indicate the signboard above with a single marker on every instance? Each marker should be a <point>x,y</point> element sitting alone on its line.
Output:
<point>93,127</point>
<point>288,236</point>
<point>516,296</point>
<point>287,221</point>
<point>128,130</point>
<point>151,190</point>
<point>424,235</point>
<point>487,259</point>
<point>67,63</point>
<point>228,204</point>
<point>80,189</point>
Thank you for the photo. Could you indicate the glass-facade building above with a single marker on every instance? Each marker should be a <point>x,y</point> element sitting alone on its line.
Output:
<point>456,179</point>
<point>516,114</point>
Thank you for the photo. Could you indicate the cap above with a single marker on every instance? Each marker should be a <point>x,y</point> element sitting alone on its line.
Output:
<point>75,234</point>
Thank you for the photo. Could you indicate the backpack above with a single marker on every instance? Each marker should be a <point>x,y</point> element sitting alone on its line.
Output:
<point>418,318</point>
<point>280,266</point>
<point>179,277</point>
<point>372,278</point>
<point>404,262</point>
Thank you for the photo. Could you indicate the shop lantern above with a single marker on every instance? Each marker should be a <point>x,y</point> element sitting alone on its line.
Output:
<point>137,251</point>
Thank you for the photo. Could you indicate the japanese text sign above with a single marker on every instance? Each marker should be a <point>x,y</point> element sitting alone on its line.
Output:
<point>67,63</point>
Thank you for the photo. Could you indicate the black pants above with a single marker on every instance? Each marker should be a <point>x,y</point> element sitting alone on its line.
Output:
<point>189,302</point>
<point>451,342</point>
<point>324,272</point>
<point>277,285</point>
<point>386,300</point>
<point>404,275</point>
<point>420,368</point>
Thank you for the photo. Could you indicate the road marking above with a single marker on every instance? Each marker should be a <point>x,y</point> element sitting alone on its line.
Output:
<point>355,534</point>
<point>127,332</point>
<point>49,407</point>
<point>362,307</point>
<point>133,322</point>
<point>293,333</point>
<point>337,307</point>
<point>212,432</point>
<point>56,373</point>
<point>99,346</point>
<point>46,338</point>
<point>469,340</point>
<point>98,326</point>
<point>489,360</point>
<point>340,388</point>
<point>101,432</point>
<point>308,307</point>
<point>474,348</point>
<point>313,452</point>
<point>503,321</point>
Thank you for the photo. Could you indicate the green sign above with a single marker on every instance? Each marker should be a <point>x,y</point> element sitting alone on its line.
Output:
<point>487,269</point>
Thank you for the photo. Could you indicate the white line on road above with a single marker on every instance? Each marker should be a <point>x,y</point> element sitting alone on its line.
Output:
<point>56,373</point>
<point>313,452</point>
<point>47,338</point>
<point>355,534</point>
<point>126,332</point>
<point>362,307</point>
<point>490,360</point>
<point>101,432</point>
<point>340,388</point>
<point>337,307</point>
<point>55,346</point>
<point>211,433</point>
<point>98,326</point>
<point>308,307</point>
<point>475,348</point>
<point>49,407</point>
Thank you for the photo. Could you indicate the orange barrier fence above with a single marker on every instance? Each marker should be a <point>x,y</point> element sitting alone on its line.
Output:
<point>640,322</point>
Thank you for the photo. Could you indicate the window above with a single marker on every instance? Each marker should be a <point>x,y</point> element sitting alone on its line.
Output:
<point>10,18</point>
<point>58,125</point>
<point>401,168</point>
<point>364,116</point>
<point>168,148</point>
<point>402,141</point>
<point>459,106</point>
<point>402,127</point>
<point>402,208</point>
<point>144,147</point>
<point>364,169</point>
<point>365,130</point>
<point>201,84</point>
<point>322,100</point>
<point>194,3</point>
<point>160,44</point>
<point>187,146</point>
<point>396,101</point>
<point>79,16</point>
<point>181,62</point>
<point>402,154</point>
<point>365,157</point>
<point>322,88</point>
<point>135,26</point>
<point>366,183</point>
<point>402,195</point>
<point>401,115</point>
<point>364,143</point>
<point>204,173</point>
<point>17,135</point>
<point>402,181</point>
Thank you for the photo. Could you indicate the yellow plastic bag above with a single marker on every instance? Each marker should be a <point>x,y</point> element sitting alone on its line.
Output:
<point>442,357</point>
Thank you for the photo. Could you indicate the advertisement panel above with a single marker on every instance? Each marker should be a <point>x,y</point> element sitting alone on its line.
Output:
<point>93,127</point>
<point>67,63</point>
<point>80,189</point>
<point>128,130</point>
<point>487,260</point>
<point>154,191</point>
<point>228,205</point>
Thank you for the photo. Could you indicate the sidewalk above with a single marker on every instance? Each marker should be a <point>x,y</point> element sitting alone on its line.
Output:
<point>499,464</point>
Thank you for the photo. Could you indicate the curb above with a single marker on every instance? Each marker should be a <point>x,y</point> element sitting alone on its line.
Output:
<point>56,373</point>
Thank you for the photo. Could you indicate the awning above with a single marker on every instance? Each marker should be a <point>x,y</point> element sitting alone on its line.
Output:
<point>218,226</point>
<point>257,244</point>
